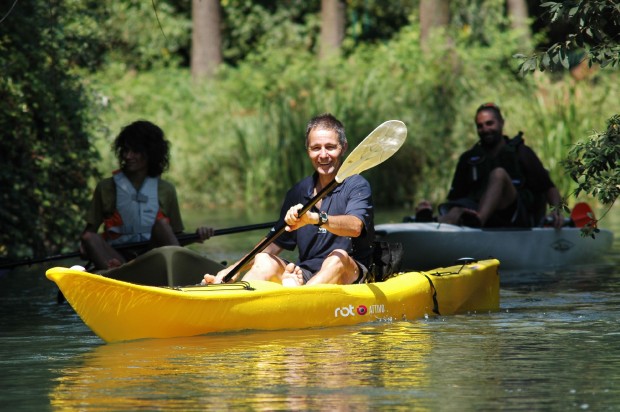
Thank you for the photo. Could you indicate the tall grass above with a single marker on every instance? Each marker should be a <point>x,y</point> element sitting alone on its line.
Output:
<point>567,112</point>
<point>238,142</point>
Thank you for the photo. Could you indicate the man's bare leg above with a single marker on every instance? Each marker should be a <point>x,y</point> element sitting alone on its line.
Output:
<point>266,267</point>
<point>499,194</point>
<point>338,268</point>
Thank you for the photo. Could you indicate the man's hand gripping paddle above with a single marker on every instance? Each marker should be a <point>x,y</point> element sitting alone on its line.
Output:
<point>376,148</point>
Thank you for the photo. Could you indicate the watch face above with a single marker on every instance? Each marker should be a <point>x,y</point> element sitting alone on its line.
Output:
<point>323,217</point>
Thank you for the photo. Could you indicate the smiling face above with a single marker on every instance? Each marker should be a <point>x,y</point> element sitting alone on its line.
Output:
<point>490,127</point>
<point>325,152</point>
<point>134,162</point>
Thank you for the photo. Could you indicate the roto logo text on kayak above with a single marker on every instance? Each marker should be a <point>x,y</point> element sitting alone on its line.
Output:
<point>347,311</point>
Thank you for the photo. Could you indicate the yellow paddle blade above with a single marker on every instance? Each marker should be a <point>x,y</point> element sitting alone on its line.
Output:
<point>376,148</point>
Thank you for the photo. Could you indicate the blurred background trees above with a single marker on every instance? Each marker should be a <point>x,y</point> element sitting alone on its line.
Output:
<point>233,82</point>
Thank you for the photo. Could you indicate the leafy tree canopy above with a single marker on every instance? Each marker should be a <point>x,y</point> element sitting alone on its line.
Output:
<point>594,34</point>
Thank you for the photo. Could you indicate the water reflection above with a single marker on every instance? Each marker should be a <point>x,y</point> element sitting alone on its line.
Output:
<point>330,369</point>
<point>552,346</point>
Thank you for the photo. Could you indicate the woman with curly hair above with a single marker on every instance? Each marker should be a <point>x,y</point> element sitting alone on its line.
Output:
<point>134,204</point>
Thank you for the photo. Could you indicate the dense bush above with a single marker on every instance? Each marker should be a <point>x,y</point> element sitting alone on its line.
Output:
<point>46,156</point>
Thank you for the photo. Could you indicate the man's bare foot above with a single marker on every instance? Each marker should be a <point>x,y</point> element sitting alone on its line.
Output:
<point>292,276</point>
<point>208,279</point>
<point>470,218</point>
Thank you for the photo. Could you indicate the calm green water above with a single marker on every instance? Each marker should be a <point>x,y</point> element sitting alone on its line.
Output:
<point>554,345</point>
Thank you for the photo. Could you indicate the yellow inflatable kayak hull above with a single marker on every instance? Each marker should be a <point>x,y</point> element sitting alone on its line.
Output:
<point>121,311</point>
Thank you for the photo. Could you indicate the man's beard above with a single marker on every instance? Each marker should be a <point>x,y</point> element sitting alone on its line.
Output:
<point>490,139</point>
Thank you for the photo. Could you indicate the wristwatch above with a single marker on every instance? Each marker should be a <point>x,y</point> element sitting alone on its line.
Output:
<point>322,218</point>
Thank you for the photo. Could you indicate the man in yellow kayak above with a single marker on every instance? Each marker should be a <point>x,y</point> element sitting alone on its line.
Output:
<point>135,204</point>
<point>335,237</point>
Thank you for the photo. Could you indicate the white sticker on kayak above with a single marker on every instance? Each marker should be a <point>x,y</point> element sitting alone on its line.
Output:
<point>351,310</point>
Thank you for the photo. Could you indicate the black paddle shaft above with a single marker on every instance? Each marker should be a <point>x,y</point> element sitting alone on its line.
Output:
<point>183,239</point>
<point>275,234</point>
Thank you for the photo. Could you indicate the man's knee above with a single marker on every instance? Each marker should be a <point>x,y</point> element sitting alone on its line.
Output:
<point>262,258</point>
<point>265,267</point>
<point>499,173</point>
<point>342,267</point>
<point>266,262</point>
<point>337,257</point>
<point>338,253</point>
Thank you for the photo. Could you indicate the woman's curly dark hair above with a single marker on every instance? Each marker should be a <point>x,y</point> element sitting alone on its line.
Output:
<point>144,137</point>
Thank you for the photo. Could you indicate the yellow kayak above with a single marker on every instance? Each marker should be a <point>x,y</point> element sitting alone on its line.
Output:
<point>120,311</point>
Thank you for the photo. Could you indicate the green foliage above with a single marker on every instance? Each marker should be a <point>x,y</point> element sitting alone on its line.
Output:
<point>238,140</point>
<point>252,29</point>
<point>562,113</point>
<point>46,156</point>
<point>595,28</point>
<point>595,164</point>
<point>375,21</point>
<point>471,26</point>
<point>249,26</point>
<point>144,34</point>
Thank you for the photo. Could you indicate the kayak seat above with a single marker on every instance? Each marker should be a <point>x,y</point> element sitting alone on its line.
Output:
<point>165,266</point>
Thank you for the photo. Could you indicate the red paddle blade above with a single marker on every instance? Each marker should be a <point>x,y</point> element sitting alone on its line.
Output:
<point>583,215</point>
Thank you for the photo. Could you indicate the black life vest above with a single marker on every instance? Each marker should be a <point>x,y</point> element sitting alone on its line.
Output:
<point>480,165</point>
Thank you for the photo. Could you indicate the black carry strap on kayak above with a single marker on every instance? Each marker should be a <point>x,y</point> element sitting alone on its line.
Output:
<point>435,303</point>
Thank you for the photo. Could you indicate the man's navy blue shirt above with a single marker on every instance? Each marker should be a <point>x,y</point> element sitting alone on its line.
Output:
<point>352,197</point>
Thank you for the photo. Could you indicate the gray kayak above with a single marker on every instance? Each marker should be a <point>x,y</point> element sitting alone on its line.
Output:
<point>430,245</point>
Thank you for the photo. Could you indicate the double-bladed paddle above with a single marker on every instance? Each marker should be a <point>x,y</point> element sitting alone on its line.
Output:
<point>376,148</point>
<point>183,239</point>
<point>581,216</point>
